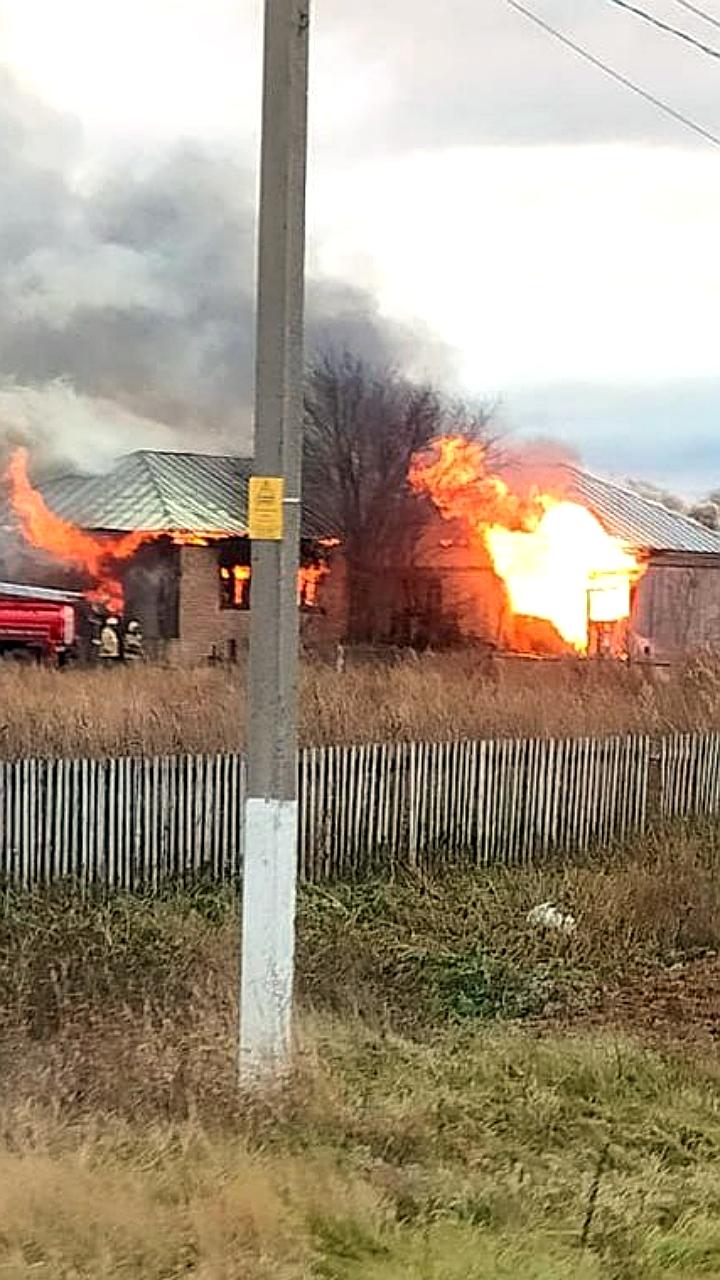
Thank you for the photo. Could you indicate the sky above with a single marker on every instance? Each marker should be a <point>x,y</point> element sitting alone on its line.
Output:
<point>484,208</point>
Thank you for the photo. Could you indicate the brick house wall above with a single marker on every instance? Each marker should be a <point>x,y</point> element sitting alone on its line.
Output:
<point>206,630</point>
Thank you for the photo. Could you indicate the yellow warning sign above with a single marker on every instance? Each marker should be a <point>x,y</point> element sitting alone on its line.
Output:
<point>265,518</point>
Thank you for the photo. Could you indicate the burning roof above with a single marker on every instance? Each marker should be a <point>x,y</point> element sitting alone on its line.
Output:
<point>541,533</point>
<point>638,521</point>
<point>563,563</point>
<point>98,556</point>
<point>94,524</point>
<point>197,492</point>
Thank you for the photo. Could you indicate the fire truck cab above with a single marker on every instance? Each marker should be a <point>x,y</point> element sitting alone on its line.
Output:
<point>38,623</point>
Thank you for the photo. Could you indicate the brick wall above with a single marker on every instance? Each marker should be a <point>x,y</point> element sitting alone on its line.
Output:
<point>205,628</point>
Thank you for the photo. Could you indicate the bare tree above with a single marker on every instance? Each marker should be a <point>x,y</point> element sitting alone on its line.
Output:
<point>655,493</point>
<point>362,426</point>
<point>705,510</point>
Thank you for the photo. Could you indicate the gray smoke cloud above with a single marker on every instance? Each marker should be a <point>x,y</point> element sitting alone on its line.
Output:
<point>128,304</point>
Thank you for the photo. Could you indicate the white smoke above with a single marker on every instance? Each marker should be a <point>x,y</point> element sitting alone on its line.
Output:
<point>64,430</point>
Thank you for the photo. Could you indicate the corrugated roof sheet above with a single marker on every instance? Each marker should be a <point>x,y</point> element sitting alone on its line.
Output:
<point>158,492</point>
<point>639,521</point>
<point>201,493</point>
<point>163,492</point>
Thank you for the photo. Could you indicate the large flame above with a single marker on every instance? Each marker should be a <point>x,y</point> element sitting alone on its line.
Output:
<point>96,557</point>
<point>554,557</point>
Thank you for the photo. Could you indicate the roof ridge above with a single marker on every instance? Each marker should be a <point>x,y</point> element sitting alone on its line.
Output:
<point>188,453</point>
<point>155,481</point>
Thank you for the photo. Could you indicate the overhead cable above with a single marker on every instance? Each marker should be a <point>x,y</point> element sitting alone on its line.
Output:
<point>700,13</point>
<point>667,27</point>
<point>665,107</point>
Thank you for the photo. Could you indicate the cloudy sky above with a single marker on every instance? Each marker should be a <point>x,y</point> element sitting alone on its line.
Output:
<point>484,207</point>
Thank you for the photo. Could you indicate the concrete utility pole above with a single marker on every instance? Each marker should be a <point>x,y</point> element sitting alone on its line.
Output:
<point>270,866</point>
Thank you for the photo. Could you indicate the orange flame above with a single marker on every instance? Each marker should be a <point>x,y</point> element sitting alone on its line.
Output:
<point>557,562</point>
<point>192,538</point>
<point>309,578</point>
<point>308,581</point>
<point>240,575</point>
<point>97,557</point>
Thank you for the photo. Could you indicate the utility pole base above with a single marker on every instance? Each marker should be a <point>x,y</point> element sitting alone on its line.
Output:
<point>269,876</point>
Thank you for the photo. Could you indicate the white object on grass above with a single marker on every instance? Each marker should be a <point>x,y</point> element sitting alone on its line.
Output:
<point>547,916</point>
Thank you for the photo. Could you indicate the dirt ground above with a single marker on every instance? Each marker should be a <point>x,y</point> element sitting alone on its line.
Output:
<point>676,1007</point>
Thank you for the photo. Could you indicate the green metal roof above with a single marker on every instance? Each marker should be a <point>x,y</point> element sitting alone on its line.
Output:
<point>158,492</point>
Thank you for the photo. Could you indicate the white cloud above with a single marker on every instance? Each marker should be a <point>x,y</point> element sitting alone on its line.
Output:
<point>150,68</point>
<point>541,263</point>
<point>386,75</point>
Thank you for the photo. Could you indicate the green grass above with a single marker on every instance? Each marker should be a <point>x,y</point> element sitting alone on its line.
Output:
<point>441,1121</point>
<point>407,955</point>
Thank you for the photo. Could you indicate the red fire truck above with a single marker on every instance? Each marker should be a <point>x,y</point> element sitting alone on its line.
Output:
<point>41,624</point>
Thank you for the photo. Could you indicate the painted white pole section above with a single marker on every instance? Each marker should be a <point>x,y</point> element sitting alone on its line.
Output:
<point>270,844</point>
<point>268,934</point>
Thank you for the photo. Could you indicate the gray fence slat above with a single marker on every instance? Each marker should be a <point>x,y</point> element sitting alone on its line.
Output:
<point>131,821</point>
<point>341,761</point>
<point>553,799</point>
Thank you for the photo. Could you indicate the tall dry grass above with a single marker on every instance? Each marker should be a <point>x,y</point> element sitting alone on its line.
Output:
<point>158,710</point>
<point>471,1160</point>
<point>419,1136</point>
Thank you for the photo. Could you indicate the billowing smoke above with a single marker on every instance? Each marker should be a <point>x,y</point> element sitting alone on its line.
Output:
<point>537,465</point>
<point>66,431</point>
<point>128,301</point>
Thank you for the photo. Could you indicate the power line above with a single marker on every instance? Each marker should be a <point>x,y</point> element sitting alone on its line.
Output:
<point>615,75</point>
<point>666,26</point>
<point>700,13</point>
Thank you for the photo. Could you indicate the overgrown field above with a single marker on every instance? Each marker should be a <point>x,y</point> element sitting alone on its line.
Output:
<point>472,1099</point>
<point>158,710</point>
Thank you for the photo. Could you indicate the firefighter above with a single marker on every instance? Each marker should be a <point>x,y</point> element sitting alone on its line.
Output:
<point>133,649</point>
<point>109,648</point>
<point>95,623</point>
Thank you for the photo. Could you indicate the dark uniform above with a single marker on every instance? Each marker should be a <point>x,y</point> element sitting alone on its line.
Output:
<point>133,649</point>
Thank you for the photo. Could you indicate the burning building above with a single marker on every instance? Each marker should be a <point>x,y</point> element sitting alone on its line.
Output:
<point>163,538</point>
<point>535,559</point>
<point>537,555</point>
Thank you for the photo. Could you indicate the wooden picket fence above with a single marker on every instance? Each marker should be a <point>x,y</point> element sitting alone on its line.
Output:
<point>689,783</point>
<point>132,822</point>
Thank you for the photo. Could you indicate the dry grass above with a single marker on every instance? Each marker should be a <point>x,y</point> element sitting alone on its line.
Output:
<point>434,697</point>
<point>457,946</point>
<point>421,1137</point>
<point>472,1159</point>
